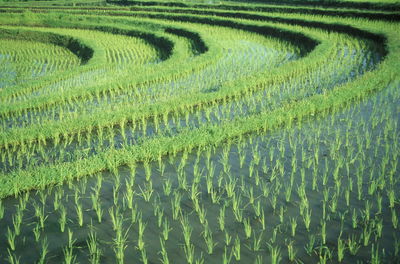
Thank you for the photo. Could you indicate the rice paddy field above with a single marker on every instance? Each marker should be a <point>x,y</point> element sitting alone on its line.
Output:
<point>200,132</point>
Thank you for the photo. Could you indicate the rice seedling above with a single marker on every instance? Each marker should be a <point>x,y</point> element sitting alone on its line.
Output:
<point>247,227</point>
<point>236,248</point>
<point>12,258</point>
<point>69,256</point>
<point>228,238</point>
<point>11,239</point>
<point>292,252</point>
<point>164,254</point>
<point>44,251</point>
<point>257,242</point>
<point>353,245</point>
<point>275,254</point>
<point>94,250</point>
<point>142,227</point>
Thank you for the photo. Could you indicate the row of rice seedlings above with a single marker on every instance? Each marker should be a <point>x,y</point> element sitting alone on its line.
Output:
<point>215,114</point>
<point>145,54</point>
<point>42,59</point>
<point>215,75</point>
<point>179,52</point>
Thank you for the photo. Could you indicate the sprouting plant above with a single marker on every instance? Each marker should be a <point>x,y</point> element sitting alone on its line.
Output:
<point>292,252</point>
<point>225,258</point>
<point>142,227</point>
<point>116,218</point>
<point>262,219</point>
<point>63,218</point>
<point>40,214</point>
<point>189,252</point>
<point>341,246</point>
<point>236,248</point>
<point>366,234</point>
<point>147,192</point>
<point>275,254</point>
<point>1,210</point>
<point>323,231</point>
<point>164,255</point>
<point>309,247</point>
<point>12,258</point>
<point>293,224</point>
<point>128,196</point>
<point>353,245</point>
<point>11,238</point>
<point>354,219</point>
<point>375,259</point>
<point>94,250</point>
<point>247,227</point>
<point>79,214</point>
<point>307,218</point>
<point>221,218</point>
<point>44,251</point>
<point>17,220</point>
<point>36,232</point>
<point>208,238</point>
<point>167,186</point>
<point>69,256</point>
<point>257,242</point>
<point>395,219</point>
<point>120,244</point>
<point>166,229</point>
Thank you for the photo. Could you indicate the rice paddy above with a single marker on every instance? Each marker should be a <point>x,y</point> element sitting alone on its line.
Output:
<point>191,132</point>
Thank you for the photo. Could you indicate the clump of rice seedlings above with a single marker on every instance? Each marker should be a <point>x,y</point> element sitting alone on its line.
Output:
<point>164,254</point>
<point>292,251</point>
<point>40,214</point>
<point>147,191</point>
<point>167,187</point>
<point>353,245</point>
<point>225,258</point>
<point>116,218</point>
<point>257,242</point>
<point>247,227</point>
<point>17,220</point>
<point>395,219</point>
<point>120,243</point>
<point>166,229</point>
<point>69,256</point>
<point>44,250</point>
<point>341,247</point>
<point>142,227</point>
<point>63,218</point>
<point>309,247</point>
<point>208,238</point>
<point>1,210</point>
<point>11,238</point>
<point>94,249</point>
<point>293,224</point>
<point>79,213</point>
<point>375,258</point>
<point>221,217</point>
<point>275,254</point>
<point>236,248</point>
<point>36,232</point>
<point>12,258</point>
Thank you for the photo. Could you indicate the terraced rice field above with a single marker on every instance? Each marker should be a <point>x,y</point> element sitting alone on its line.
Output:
<point>183,132</point>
